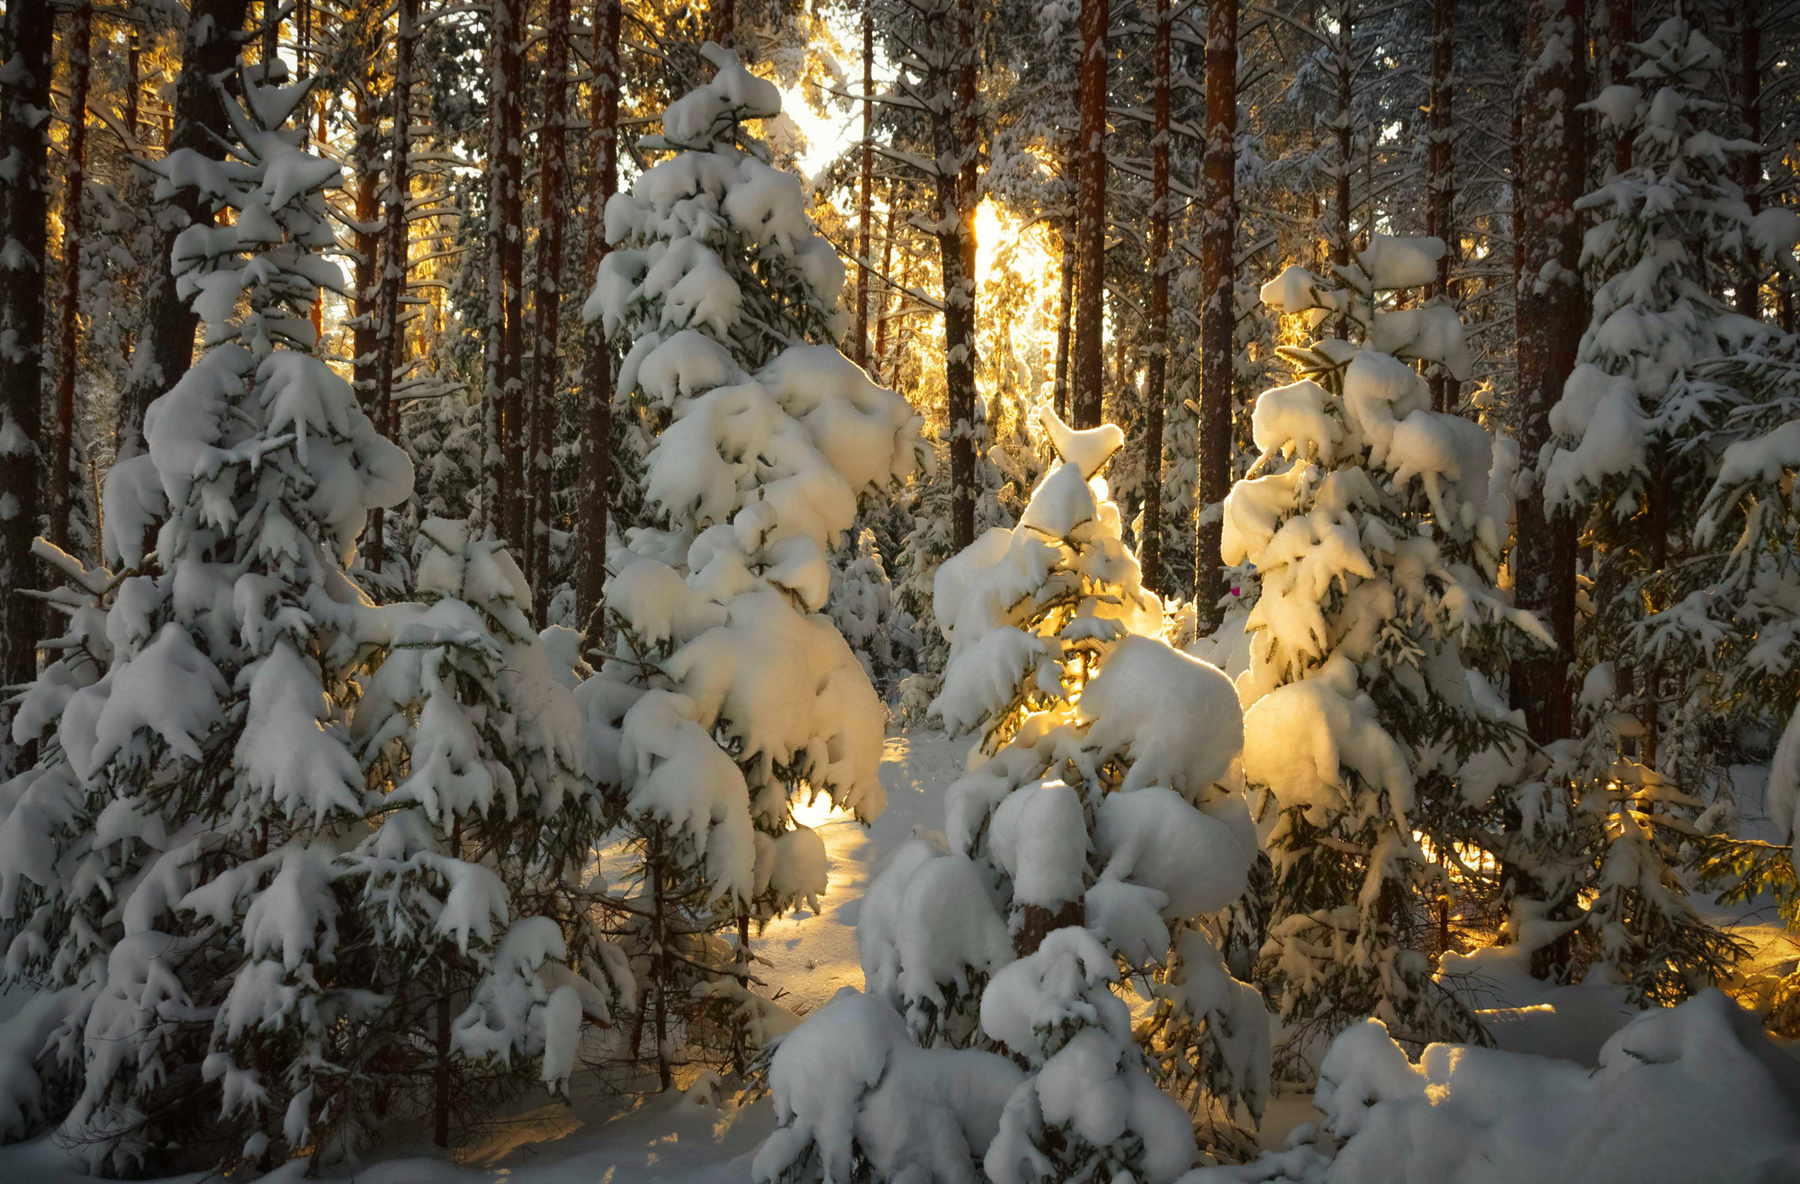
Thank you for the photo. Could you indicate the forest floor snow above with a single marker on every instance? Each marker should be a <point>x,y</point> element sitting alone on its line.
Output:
<point>600,1138</point>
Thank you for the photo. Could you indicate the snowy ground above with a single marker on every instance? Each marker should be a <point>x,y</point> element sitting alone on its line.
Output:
<point>600,1140</point>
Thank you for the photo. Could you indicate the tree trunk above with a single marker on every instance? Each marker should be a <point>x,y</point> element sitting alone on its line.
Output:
<point>886,297</point>
<point>365,332</point>
<point>1345,73</point>
<point>1550,320</point>
<point>1440,181</point>
<point>390,336</point>
<point>859,344</point>
<point>1150,547</point>
<point>1065,308</point>
<point>506,264</point>
<point>80,34</point>
<point>1086,402</point>
<point>553,204</point>
<point>165,337</point>
<point>25,41</point>
<point>596,375</point>
<point>955,194</point>
<point>1218,281</point>
<point>1749,164</point>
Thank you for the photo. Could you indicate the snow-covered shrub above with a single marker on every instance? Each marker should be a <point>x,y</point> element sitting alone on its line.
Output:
<point>1376,527</point>
<point>1685,1095</point>
<point>1671,422</point>
<point>728,696</point>
<point>473,882</point>
<point>1097,834</point>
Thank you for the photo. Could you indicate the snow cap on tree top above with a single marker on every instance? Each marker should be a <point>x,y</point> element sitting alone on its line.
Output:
<point>697,118</point>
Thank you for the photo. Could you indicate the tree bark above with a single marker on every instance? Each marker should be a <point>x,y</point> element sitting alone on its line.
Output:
<point>365,331</point>
<point>1218,281</point>
<point>1749,164</point>
<point>165,337</point>
<point>506,266</point>
<point>553,188</point>
<point>1345,68</point>
<point>395,240</point>
<point>886,296</point>
<point>1550,319</point>
<point>1150,547</point>
<point>79,41</point>
<point>25,41</point>
<point>1440,181</point>
<point>595,478</point>
<point>865,200</point>
<point>1087,395</point>
<point>956,133</point>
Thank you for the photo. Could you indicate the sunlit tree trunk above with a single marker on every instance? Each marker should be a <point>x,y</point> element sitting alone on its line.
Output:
<point>79,42</point>
<point>390,335</point>
<point>1551,312</point>
<point>553,204</point>
<point>1089,377</point>
<point>505,459</point>
<point>165,339</point>
<point>595,478</point>
<point>886,298</point>
<point>956,132</point>
<point>365,270</point>
<point>859,345</point>
<point>1150,548</point>
<point>1218,280</point>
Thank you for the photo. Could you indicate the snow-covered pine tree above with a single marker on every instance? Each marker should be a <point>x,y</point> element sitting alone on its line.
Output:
<point>1668,382</point>
<point>482,938</point>
<point>727,696</point>
<point>1376,528</point>
<point>196,776</point>
<point>1090,848</point>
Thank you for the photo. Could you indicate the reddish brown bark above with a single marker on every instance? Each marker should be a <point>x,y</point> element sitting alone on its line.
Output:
<point>1551,312</point>
<point>1089,373</point>
<point>1218,279</point>
<point>390,335</point>
<point>859,343</point>
<point>1150,546</point>
<point>595,478</point>
<point>79,42</point>
<point>365,335</point>
<point>506,248</point>
<point>553,205</point>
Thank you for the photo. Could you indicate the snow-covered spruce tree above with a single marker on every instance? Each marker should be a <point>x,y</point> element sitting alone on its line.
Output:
<point>1667,382</point>
<point>196,778</point>
<point>1375,526</point>
<point>1089,848</point>
<point>482,938</point>
<point>726,696</point>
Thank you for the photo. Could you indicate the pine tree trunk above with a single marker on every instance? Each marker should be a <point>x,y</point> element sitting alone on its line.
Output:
<point>1218,281</point>
<point>1086,397</point>
<point>165,337</point>
<point>1345,67</point>
<point>1150,547</point>
<point>955,192</point>
<point>1440,180</point>
<point>79,42</point>
<point>25,41</point>
<point>395,240</point>
<point>505,445</point>
<point>659,966</point>
<point>1550,319</point>
<point>886,297</point>
<point>553,205</point>
<point>865,199</point>
<point>1065,308</point>
<point>1749,164</point>
<point>596,375</point>
<point>365,331</point>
